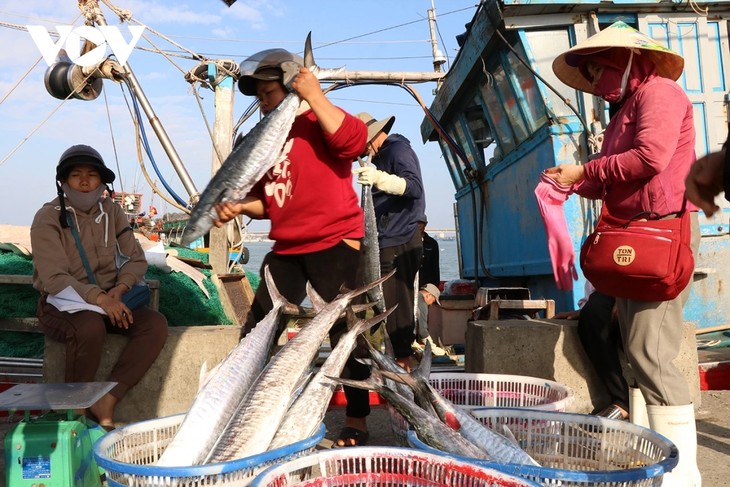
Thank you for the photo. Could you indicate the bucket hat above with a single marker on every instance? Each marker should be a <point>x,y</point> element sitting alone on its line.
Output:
<point>264,65</point>
<point>83,154</point>
<point>566,66</point>
<point>376,126</point>
<point>430,288</point>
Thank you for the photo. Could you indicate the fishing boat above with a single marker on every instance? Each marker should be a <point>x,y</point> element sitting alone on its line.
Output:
<point>510,118</point>
<point>505,124</point>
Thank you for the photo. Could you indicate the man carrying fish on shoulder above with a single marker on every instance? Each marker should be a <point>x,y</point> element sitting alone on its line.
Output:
<point>316,219</point>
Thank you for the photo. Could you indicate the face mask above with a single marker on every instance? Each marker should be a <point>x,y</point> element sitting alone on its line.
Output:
<point>612,83</point>
<point>82,201</point>
<point>609,85</point>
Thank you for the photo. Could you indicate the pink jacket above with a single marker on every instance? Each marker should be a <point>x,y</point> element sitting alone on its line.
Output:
<point>647,151</point>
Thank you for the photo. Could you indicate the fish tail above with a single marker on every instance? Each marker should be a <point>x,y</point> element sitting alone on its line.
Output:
<point>373,383</point>
<point>362,326</point>
<point>356,292</point>
<point>276,297</point>
<point>308,55</point>
<point>317,301</point>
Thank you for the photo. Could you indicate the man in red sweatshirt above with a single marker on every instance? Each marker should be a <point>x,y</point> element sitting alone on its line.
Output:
<point>316,220</point>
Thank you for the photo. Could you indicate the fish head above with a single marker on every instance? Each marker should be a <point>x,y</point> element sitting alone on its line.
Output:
<point>193,230</point>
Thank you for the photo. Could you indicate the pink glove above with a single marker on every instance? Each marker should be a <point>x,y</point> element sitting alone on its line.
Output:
<point>550,198</point>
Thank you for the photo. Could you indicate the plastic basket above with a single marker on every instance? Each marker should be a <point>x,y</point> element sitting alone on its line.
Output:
<point>128,455</point>
<point>471,391</point>
<point>505,391</point>
<point>368,466</point>
<point>579,449</point>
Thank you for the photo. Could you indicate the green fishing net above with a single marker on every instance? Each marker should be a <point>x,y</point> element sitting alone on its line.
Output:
<point>181,301</point>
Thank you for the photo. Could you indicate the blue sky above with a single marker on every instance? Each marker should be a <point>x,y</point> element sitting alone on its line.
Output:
<point>361,35</point>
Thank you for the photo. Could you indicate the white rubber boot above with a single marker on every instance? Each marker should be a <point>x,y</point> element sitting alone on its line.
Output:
<point>637,407</point>
<point>677,423</point>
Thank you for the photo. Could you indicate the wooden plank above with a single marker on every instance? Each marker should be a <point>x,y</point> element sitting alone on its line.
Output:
<point>28,325</point>
<point>236,295</point>
<point>15,279</point>
<point>195,263</point>
<point>521,304</point>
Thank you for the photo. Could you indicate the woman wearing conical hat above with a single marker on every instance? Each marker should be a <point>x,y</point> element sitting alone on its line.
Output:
<point>646,154</point>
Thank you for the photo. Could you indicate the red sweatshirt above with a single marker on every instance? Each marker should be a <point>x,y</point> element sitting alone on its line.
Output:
<point>308,194</point>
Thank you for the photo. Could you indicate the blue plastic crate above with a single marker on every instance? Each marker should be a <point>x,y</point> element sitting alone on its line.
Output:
<point>128,456</point>
<point>578,450</point>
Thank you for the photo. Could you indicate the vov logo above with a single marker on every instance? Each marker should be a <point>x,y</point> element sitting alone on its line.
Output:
<point>72,38</point>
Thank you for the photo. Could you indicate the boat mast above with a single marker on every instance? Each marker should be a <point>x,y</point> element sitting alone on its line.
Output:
<point>90,8</point>
<point>222,77</point>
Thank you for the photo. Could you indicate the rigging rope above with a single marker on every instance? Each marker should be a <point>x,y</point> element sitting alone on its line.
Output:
<point>43,122</point>
<point>138,142</point>
<point>114,142</point>
<point>147,147</point>
<point>126,15</point>
<point>25,75</point>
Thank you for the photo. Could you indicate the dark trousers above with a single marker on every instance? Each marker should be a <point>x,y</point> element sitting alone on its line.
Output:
<point>601,338</point>
<point>327,271</point>
<point>84,333</point>
<point>399,289</point>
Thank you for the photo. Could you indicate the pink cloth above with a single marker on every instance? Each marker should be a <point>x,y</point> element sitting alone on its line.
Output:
<point>550,198</point>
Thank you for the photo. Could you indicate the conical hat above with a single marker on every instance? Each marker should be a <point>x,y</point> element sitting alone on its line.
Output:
<point>376,126</point>
<point>668,63</point>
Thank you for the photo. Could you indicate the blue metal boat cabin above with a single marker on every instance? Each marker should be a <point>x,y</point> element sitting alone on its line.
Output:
<point>512,118</point>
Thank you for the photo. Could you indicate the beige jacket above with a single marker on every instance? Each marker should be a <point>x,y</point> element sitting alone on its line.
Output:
<point>56,259</point>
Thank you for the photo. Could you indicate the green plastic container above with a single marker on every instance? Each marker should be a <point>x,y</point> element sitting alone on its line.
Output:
<point>52,450</point>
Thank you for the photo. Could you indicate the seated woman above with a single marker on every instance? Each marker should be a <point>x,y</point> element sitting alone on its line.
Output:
<point>82,240</point>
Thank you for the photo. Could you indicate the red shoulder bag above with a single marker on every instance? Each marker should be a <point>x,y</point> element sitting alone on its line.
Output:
<point>648,257</point>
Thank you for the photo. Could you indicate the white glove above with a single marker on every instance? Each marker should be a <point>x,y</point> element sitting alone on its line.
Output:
<point>388,183</point>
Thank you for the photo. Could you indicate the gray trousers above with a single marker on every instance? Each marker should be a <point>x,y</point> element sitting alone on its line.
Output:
<point>652,335</point>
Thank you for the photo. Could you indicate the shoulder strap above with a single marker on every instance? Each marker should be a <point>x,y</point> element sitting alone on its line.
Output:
<point>82,252</point>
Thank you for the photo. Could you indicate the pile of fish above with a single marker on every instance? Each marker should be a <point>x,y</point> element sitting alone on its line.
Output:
<point>437,422</point>
<point>248,406</point>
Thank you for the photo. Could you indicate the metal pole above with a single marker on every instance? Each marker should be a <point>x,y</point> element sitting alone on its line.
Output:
<point>438,56</point>
<point>153,120</point>
<point>162,136</point>
<point>402,76</point>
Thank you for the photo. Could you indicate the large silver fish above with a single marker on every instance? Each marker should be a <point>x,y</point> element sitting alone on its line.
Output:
<point>418,389</point>
<point>497,447</point>
<point>371,247</point>
<point>429,428</point>
<point>307,412</point>
<point>217,401</point>
<point>386,362</point>
<point>255,423</point>
<point>257,152</point>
